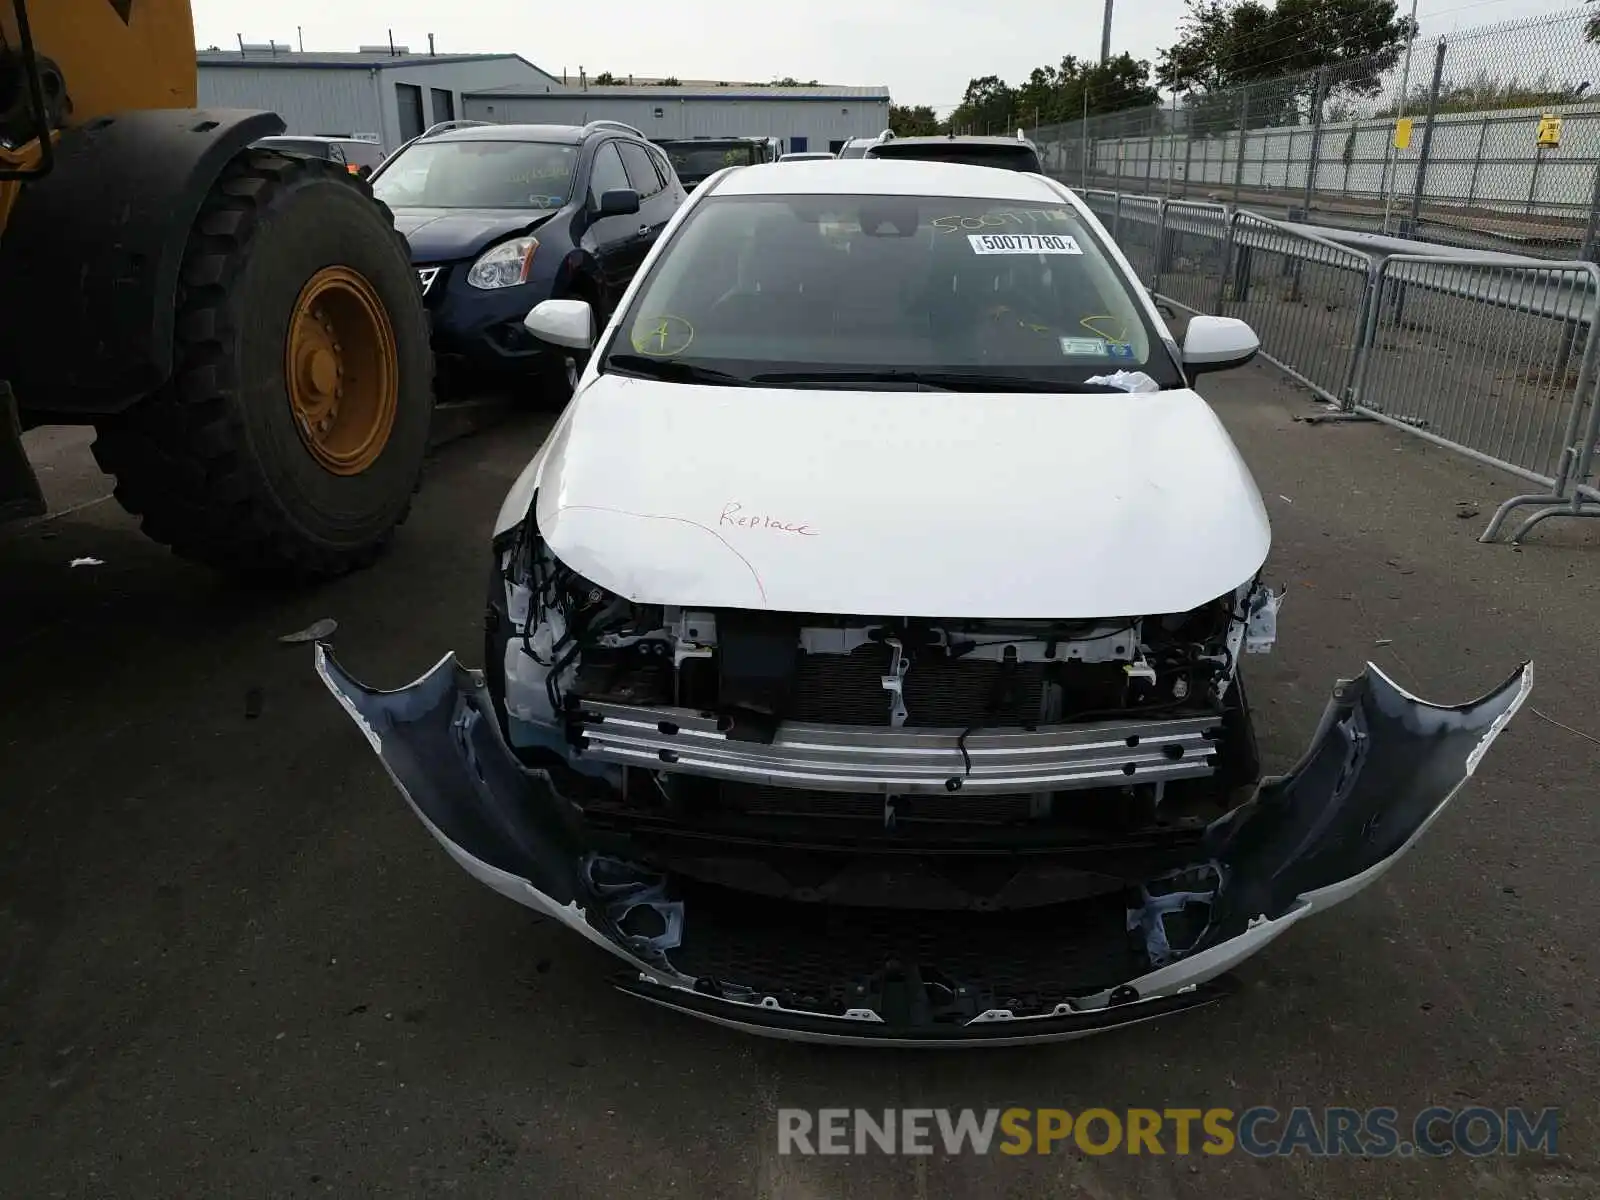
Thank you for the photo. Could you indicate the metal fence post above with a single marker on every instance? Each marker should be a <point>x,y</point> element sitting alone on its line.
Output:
<point>1161,246</point>
<point>1477,162</point>
<point>1369,331</point>
<point>1317,97</point>
<point>1086,139</point>
<point>1366,336</point>
<point>1227,261</point>
<point>1589,247</point>
<point>1244,124</point>
<point>1427,135</point>
<point>1172,145</point>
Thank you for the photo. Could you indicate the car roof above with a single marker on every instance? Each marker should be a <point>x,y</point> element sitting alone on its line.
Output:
<point>570,134</point>
<point>711,141</point>
<point>886,177</point>
<point>958,139</point>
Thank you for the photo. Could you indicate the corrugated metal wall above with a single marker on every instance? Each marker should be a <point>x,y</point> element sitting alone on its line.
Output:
<point>310,101</point>
<point>820,122</point>
<point>456,78</point>
<point>357,99</point>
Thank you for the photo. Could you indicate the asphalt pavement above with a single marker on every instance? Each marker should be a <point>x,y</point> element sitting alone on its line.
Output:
<point>232,963</point>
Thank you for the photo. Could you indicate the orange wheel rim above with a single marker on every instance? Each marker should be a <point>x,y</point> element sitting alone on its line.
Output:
<point>342,370</point>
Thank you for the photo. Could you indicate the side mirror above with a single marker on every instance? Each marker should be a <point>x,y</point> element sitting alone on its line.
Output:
<point>568,323</point>
<point>1218,344</point>
<point>619,202</point>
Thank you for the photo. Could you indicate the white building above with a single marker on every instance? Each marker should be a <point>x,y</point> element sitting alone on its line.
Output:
<point>803,118</point>
<point>389,96</point>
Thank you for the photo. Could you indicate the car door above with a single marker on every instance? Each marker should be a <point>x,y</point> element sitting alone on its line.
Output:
<point>655,204</point>
<point>614,241</point>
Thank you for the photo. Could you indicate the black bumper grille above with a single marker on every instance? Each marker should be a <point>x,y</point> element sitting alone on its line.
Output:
<point>1035,956</point>
<point>797,802</point>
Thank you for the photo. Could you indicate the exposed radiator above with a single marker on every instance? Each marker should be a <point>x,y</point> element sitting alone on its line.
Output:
<point>847,689</point>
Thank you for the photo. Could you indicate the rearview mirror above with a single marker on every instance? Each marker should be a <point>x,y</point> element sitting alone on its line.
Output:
<point>568,323</point>
<point>619,202</point>
<point>1218,344</point>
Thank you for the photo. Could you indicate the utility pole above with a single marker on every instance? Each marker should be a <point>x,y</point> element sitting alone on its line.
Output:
<point>1389,152</point>
<point>1105,35</point>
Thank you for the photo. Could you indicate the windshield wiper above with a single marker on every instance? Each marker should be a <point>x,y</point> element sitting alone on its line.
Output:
<point>672,369</point>
<point>948,381</point>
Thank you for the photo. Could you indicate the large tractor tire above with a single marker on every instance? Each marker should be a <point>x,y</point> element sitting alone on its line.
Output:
<point>291,435</point>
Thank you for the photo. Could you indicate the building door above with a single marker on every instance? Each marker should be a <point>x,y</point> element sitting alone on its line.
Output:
<point>409,97</point>
<point>796,145</point>
<point>835,147</point>
<point>444,105</point>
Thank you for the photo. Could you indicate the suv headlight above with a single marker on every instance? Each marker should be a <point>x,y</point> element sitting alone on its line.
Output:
<point>504,265</point>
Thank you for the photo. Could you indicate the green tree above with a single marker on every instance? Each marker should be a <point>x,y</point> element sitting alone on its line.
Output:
<point>791,81</point>
<point>1226,44</point>
<point>606,79</point>
<point>989,106</point>
<point>1591,27</point>
<point>914,120</point>
<point>1052,95</point>
<point>669,81</point>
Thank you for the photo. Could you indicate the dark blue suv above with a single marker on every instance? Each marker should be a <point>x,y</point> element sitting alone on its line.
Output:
<point>500,217</point>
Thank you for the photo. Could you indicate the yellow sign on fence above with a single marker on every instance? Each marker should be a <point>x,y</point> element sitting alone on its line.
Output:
<point>1402,133</point>
<point>1549,137</point>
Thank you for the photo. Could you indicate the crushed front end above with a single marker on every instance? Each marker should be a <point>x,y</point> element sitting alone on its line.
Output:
<point>888,830</point>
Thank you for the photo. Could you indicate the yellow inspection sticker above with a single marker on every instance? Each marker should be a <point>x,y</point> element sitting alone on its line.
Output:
<point>1402,133</point>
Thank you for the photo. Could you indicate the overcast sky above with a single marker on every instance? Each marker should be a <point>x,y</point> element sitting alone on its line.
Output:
<point>924,50</point>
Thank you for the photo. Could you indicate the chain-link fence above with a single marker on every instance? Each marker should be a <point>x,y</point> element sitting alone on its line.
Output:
<point>1487,138</point>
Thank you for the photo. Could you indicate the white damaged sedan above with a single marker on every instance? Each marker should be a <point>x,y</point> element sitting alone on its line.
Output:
<point>862,655</point>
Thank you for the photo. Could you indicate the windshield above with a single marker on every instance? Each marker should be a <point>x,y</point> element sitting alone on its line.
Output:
<point>478,175</point>
<point>1016,158</point>
<point>709,159</point>
<point>775,285</point>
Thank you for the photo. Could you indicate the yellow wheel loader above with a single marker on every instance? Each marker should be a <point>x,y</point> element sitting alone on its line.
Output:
<point>242,327</point>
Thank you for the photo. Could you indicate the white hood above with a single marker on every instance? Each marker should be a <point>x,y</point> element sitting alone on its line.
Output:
<point>929,504</point>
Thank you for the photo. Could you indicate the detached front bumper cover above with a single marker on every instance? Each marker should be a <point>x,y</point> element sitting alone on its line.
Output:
<point>1381,768</point>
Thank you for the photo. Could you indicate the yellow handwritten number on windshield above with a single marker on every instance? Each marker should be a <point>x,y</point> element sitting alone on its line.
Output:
<point>662,337</point>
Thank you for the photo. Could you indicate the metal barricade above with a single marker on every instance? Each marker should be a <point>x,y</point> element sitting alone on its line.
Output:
<point>1194,249</point>
<point>1102,204</point>
<point>1306,298</point>
<point>1493,356</point>
<point>1138,232</point>
<point>1488,357</point>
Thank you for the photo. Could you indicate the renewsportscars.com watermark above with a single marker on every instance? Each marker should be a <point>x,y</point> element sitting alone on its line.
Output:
<point>1259,1132</point>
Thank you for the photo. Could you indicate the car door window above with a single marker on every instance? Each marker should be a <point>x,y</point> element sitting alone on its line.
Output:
<point>663,168</point>
<point>335,153</point>
<point>641,171</point>
<point>607,174</point>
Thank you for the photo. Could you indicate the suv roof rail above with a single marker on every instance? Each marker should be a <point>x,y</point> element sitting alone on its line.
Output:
<point>446,126</point>
<point>614,125</point>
